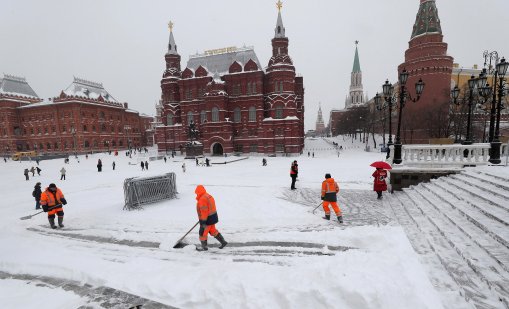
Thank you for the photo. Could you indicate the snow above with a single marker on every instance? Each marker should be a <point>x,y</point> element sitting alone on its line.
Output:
<point>281,255</point>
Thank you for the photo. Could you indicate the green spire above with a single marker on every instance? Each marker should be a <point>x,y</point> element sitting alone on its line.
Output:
<point>427,20</point>
<point>356,62</point>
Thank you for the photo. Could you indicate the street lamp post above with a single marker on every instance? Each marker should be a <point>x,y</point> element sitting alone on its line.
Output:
<point>498,73</point>
<point>472,82</point>
<point>404,95</point>
<point>388,91</point>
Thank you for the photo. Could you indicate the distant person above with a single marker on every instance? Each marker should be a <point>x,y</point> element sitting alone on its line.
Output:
<point>207,162</point>
<point>142,165</point>
<point>38,171</point>
<point>5,160</point>
<point>294,171</point>
<point>330,191</point>
<point>264,162</point>
<point>37,161</point>
<point>113,164</point>
<point>309,154</point>
<point>207,214</point>
<point>52,200</point>
<point>196,159</point>
<point>32,170</point>
<point>184,167</point>
<point>37,195</point>
<point>99,165</point>
<point>62,173</point>
<point>165,159</point>
<point>313,154</point>
<point>146,165</point>
<point>26,174</point>
<point>379,184</point>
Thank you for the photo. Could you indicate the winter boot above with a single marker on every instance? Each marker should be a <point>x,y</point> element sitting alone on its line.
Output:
<point>203,246</point>
<point>340,219</point>
<point>327,217</point>
<point>223,242</point>
<point>52,223</point>
<point>60,220</point>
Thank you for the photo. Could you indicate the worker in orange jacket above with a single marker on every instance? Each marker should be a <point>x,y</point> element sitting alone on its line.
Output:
<point>330,191</point>
<point>52,200</point>
<point>207,214</point>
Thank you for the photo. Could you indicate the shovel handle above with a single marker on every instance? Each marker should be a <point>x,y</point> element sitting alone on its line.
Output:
<point>188,231</point>
<point>317,207</point>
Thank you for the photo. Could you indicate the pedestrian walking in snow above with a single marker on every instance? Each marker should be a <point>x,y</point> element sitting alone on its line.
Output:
<point>264,162</point>
<point>207,214</point>
<point>164,159</point>
<point>5,160</point>
<point>196,159</point>
<point>313,154</point>
<point>99,165</point>
<point>37,161</point>
<point>146,165</point>
<point>32,170</point>
<point>37,195</point>
<point>294,171</point>
<point>142,166</point>
<point>86,156</point>
<point>113,164</point>
<point>379,184</point>
<point>184,167</point>
<point>52,200</point>
<point>38,171</point>
<point>207,162</point>
<point>309,154</point>
<point>330,191</point>
<point>62,173</point>
<point>26,174</point>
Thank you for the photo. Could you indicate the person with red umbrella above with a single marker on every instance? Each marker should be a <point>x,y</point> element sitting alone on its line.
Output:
<point>380,175</point>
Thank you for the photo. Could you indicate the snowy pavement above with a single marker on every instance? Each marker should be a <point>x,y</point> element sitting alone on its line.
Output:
<point>280,254</point>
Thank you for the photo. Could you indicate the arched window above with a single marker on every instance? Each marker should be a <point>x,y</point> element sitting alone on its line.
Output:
<point>280,86</point>
<point>87,144</point>
<point>236,114</point>
<point>101,115</point>
<point>253,88</point>
<point>203,116</point>
<point>252,113</point>
<point>215,114</point>
<point>169,119</point>
<point>189,117</point>
<point>279,112</point>
<point>48,146</point>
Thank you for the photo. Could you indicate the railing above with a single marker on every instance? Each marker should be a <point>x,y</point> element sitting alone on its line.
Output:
<point>444,155</point>
<point>139,191</point>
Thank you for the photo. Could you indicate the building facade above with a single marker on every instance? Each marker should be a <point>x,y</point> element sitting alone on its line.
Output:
<point>320,124</point>
<point>234,103</point>
<point>83,118</point>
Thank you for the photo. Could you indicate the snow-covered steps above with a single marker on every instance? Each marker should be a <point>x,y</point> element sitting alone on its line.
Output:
<point>465,219</point>
<point>90,296</point>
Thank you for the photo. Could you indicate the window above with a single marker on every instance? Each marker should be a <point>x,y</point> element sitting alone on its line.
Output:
<point>236,89</point>
<point>253,88</point>
<point>56,146</point>
<point>253,148</point>
<point>236,115</point>
<point>103,128</point>
<point>169,119</point>
<point>189,117</point>
<point>48,146</point>
<point>53,129</point>
<point>31,131</point>
<point>39,131</point>
<point>87,145</point>
<point>248,87</point>
<point>252,113</point>
<point>93,128</point>
<point>280,148</point>
<point>279,112</point>
<point>63,128</point>
<point>65,145</point>
<point>215,114</point>
<point>45,130</point>
<point>253,132</point>
<point>101,115</point>
<point>203,116</point>
<point>280,87</point>
<point>276,88</point>
<point>238,148</point>
<point>84,128</point>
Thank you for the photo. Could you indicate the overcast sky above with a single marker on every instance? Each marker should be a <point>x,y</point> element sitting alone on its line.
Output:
<point>122,43</point>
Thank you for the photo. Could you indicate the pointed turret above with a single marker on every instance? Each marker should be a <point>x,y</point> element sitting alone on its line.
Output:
<point>356,62</point>
<point>427,20</point>
<point>280,29</point>
<point>172,47</point>
<point>320,124</point>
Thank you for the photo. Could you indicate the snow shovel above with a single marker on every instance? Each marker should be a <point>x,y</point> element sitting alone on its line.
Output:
<point>30,216</point>
<point>180,244</point>
<point>317,207</point>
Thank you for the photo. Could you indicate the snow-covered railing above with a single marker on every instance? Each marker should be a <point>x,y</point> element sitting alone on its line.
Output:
<point>145,190</point>
<point>444,155</point>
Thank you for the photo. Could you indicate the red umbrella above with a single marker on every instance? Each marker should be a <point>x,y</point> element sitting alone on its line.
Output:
<point>381,164</point>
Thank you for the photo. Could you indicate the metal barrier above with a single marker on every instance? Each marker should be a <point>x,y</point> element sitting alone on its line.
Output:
<point>139,191</point>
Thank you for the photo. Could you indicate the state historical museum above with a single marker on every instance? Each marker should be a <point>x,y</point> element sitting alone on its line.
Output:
<point>231,102</point>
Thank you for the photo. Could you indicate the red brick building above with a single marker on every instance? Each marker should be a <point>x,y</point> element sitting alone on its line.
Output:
<point>83,118</point>
<point>235,104</point>
<point>427,58</point>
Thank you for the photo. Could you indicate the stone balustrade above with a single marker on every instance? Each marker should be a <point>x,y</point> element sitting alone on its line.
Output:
<point>444,155</point>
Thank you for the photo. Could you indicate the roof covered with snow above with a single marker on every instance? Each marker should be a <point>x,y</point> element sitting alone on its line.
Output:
<point>220,62</point>
<point>15,85</point>
<point>84,88</point>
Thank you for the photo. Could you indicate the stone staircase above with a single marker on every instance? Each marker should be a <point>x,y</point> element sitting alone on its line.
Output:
<point>460,227</point>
